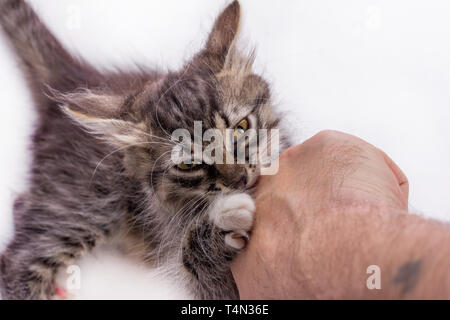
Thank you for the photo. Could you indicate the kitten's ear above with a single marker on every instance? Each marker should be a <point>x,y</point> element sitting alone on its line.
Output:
<point>100,114</point>
<point>221,39</point>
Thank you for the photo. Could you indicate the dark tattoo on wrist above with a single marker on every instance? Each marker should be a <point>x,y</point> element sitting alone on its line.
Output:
<point>408,275</point>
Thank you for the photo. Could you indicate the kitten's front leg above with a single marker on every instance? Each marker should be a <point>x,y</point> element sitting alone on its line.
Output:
<point>212,242</point>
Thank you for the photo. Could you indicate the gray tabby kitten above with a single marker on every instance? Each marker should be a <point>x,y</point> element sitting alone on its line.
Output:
<point>102,160</point>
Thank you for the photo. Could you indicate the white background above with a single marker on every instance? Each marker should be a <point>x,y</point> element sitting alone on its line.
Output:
<point>376,69</point>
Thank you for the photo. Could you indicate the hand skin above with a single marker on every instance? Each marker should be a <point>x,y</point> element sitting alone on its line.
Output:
<point>337,206</point>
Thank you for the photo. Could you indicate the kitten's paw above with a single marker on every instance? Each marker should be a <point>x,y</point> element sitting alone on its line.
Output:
<point>234,214</point>
<point>62,291</point>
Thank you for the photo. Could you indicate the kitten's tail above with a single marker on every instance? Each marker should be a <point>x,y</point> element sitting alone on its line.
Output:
<point>44,60</point>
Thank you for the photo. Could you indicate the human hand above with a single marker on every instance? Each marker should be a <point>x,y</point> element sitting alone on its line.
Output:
<point>330,173</point>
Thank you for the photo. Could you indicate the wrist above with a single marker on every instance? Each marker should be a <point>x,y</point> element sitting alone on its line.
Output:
<point>340,250</point>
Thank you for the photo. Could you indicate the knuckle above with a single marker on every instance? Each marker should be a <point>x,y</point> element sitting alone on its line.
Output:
<point>330,135</point>
<point>290,153</point>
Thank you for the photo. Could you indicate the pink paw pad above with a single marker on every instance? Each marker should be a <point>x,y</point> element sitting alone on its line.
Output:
<point>61,293</point>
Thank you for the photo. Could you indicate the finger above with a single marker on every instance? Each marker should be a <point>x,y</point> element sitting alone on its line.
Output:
<point>401,177</point>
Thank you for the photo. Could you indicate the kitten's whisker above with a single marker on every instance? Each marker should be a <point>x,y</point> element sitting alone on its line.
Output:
<point>194,199</point>
<point>188,207</point>
<point>192,208</point>
<point>153,136</point>
<point>153,169</point>
<point>188,225</point>
<point>113,152</point>
<point>205,251</point>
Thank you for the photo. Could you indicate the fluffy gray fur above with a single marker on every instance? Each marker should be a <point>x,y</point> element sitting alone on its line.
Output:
<point>102,167</point>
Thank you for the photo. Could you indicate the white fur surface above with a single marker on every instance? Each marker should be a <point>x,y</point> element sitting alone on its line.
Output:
<point>234,213</point>
<point>378,69</point>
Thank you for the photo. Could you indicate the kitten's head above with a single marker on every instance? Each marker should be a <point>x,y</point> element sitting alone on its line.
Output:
<point>217,87</point>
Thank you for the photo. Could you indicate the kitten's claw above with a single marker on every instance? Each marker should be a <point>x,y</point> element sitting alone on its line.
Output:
<point>235,240</point>
<point>243,234</point>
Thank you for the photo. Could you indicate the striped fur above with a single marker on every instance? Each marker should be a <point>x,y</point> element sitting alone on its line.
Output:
<point>101,158</point>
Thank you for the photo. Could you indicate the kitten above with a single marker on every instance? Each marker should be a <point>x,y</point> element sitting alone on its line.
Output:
<point>102,160</point>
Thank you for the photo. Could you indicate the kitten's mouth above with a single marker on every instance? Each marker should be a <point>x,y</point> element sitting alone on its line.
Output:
<point>250,187</point>
<point>252,181</point>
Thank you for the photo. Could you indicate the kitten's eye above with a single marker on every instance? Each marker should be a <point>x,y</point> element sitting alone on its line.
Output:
<point>186,166</point>
<point>240,129</point>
